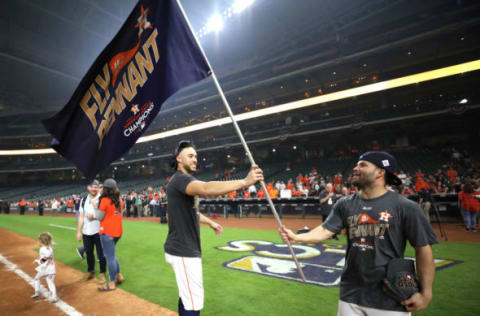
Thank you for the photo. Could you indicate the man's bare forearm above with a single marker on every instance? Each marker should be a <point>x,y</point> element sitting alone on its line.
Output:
<point>317,234</point>
<point>80,223</point>
<point>214,188</point>
<point>204,220</point>
<point>425,269</point>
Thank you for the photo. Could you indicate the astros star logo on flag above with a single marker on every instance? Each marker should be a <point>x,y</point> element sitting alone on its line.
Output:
<point>143,23</point>
<point>135,109</point>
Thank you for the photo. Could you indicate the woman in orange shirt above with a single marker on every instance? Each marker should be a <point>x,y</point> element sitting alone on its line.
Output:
<point>110,215</point>
<point>470,206</point>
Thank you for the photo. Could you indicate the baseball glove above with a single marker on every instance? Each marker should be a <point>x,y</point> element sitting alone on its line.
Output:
<point>401,281</point>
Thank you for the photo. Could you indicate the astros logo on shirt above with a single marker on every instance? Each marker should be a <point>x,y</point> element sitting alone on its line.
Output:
<point>384,216</point>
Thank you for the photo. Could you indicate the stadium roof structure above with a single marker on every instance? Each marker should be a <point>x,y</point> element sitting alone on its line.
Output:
<point>273,52</point>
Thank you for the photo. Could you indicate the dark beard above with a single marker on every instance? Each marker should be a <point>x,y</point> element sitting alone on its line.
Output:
<point>362,182</point>
<point>358,184</point>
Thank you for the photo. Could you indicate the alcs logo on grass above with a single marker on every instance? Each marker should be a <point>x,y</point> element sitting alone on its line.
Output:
<point>321,263</point>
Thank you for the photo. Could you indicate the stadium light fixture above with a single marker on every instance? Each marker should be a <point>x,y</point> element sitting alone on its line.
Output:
<point>294,105</point>
<point>215,24</point>
<point>240,5</point>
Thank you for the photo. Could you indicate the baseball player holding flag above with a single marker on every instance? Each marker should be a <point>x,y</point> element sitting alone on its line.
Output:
<point>182,247</point>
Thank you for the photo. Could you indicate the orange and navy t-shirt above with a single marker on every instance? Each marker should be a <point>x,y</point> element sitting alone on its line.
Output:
<point>111,224</point>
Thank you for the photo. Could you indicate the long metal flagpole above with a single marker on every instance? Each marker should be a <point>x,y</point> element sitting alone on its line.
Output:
<point>240,135</point>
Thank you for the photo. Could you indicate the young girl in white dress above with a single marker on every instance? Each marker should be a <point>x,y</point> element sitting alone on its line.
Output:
<point>46,267</point>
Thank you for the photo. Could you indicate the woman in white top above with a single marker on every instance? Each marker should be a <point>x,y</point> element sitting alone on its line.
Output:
<point>88,228</point>
<point>46,267</point>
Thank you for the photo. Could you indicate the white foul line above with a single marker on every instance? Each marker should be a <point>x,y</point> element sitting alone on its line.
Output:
<point>63,306</point>
<point>61,226</point>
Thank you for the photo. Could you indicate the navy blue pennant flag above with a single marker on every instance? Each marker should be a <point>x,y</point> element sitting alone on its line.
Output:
<point>153,55</point>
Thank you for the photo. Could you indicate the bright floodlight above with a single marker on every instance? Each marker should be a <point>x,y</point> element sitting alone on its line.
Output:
<point>240,5</point>
<point>463,101</point>
<point>215,24</point>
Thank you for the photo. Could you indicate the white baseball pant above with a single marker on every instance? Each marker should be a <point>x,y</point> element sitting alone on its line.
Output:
<point>189,276</point>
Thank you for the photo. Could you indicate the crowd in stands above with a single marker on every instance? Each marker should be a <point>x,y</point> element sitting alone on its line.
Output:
<point>456,174</point>
<point>139,204</point>
<point>449,179</point>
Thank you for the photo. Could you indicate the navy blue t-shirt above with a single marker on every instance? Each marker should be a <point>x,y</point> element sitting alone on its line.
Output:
<point>183,238</point>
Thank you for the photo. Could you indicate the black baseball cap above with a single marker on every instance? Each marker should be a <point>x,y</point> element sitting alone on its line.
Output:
<point>385,161</point>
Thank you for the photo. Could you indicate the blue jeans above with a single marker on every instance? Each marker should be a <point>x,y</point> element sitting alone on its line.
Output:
<point>108,245</point>
<point>470,218</point>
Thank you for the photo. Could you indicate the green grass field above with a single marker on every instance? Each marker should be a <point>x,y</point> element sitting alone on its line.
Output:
<point>229,292</point>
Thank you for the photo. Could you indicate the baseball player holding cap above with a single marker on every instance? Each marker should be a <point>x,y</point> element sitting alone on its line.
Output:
<point>182,247</point>
<point>378,223</point>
